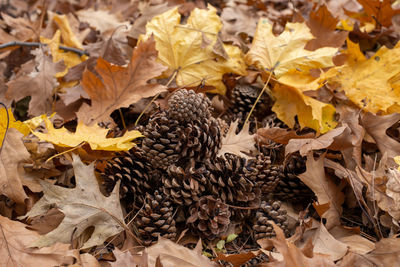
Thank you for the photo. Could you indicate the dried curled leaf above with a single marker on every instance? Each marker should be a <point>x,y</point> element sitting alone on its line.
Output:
<point>238,144</point>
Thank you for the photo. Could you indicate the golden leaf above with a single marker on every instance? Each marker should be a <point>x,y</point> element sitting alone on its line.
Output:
<point>94,135</point>
<point>13,123</point>
<point>193,50</point>
<point>286,52</point>
<point>372,84</point>
<point>70,59</point>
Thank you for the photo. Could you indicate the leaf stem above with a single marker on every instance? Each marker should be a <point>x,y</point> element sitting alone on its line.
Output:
<point>258,98</point>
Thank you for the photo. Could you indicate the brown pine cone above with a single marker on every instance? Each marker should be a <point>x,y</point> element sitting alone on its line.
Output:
<point>185,186</point>
<point>187,106</point>
<point>155,219</point>
<point>228,181</point>
<point>269,211</point>
<point>209,217</point>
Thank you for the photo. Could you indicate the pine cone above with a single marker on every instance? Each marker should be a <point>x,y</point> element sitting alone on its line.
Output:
<point>209,217</point>
<point>135,174</point>
<point>244,97</point>
<point>228,181</point>
<point>155,219</point>
<point>269,211</point>
<point>168,142</point>
<point>185,186</point>
<point>290,187</point>
<point>187,106</point>
<point>266,175</point>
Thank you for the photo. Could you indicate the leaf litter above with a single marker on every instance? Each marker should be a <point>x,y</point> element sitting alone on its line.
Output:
<point>310,179</point>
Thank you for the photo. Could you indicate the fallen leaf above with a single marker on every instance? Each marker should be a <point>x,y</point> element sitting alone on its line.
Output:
<point>12,123</point>
<point>94,135</point>
<point>376,126</point>
<point>15,240</point>
<point>180,48</point>
<point>83,206</point>
<point>355,242</point>
<point>236,259</point>
<point>12,156</point>
<point>325,243</point>
<point>172,254</point>
<point>332,140</point>
<point>380,10</point>
<point>286,52</point>
<point>120,86</point>
<point>238,144</point>
<point>293,256</point>
<point>124,259</point>
<point>36,79</point>
<point>101,20</point>
<point>291,102</point>
<point>239,19</point>
<point>279,135</point>
<point>372,84</point>
<point>325,189</point>
<point>323,26</point>
<point>386,252</point>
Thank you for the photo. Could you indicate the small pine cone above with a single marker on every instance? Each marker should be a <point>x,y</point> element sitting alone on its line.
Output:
<point>209,217</point>
<point>135,174</point>
<point>228,181</point>
<point>155,219</point>
<point>266,175</point>
<point>187,106</point>
<point>168,141</point>
<point>244,97</point>
<point>290,187</point>
<point>185,186</point>
<point>269,211</point>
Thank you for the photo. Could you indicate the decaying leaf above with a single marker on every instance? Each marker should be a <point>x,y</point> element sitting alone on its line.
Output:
<point>327,192</point>
<point>171,254</point>
<point>293,256</point>
<point>15,242</point>
<point>120,86</point>
<point>83,206</point>
<point>36,79</point>
<point>94,135</point>
<point>238,144</point>
<point>183,48</point>
<point>13,154</point>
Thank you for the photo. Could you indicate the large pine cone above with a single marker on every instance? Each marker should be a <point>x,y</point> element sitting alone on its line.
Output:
<point>209,217</point>
<point>266,175</point>
<point>228,181</point>
<point>135,174</point>
<point>167,141</point>
<point>269,211</point>
<point>185,186</point>
<point>155,219</point>
<point>187,106</point>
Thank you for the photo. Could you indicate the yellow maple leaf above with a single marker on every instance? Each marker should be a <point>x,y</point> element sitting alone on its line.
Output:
<point>192,51</point>
<point>93,135</point>
<point>69,39</point>
<point>13,123</point>
<point>284,57</point>
<point>286,52</point>
<point>372,84</point>
<point>290,101</point>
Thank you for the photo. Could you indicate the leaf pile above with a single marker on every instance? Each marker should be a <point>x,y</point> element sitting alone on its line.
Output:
<point>80,81</point>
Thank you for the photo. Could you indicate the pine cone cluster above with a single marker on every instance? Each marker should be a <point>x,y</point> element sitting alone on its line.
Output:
<point>175,170</point>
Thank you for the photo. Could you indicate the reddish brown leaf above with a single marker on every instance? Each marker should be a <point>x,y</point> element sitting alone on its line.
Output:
<point>379,10</point>
<point>323,26</point>
<point>279,135</point>
<point>236,259</point>
<point>121,86</point>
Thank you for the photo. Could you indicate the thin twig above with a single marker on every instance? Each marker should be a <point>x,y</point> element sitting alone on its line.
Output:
<point>8,124</point>
<point>38,44</point>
